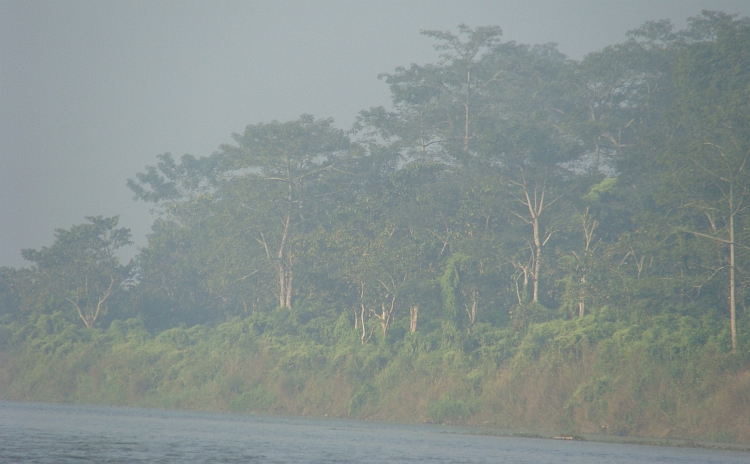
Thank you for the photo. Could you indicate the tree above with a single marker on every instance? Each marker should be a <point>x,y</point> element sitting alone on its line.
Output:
<point>14,285</point>
<point>578,265</point>
<point>707,158</point>
<point>438,106</point>
<point>379,248</point>
<point>274,173</point>
<point>248,207</point>
<point>533,202</point>
<point>81,265</point>
<point>488,108</point>
<point>623,90</point>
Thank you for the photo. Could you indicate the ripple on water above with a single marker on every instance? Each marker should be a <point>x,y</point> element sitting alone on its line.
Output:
<point>54,433</point>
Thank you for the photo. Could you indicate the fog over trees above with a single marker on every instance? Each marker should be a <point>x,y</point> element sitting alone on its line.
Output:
<point>511,206</point>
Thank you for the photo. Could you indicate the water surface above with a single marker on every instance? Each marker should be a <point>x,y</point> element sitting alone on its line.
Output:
<point>57,433</point>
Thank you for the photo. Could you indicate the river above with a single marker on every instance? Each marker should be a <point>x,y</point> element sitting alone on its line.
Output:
<point>63,433</point>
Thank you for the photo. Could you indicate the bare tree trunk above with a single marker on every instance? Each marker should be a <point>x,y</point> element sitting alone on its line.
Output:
<point>589,226</point>
<point>289,282</point>
<point>730,241</point>
<point>466,108</point>
<point>386,311</point>
<point>363,338</point>
<point>472,312</point>
<point>282,261</point>
<point>582,297</point>
<point>732,286</point>
<point>89,316</point>
<point>534,203</point>
<point>282,271</point>
<point>522,293</point>
<point>282,285</point>
<point>385,315</point>
<point>413,312</point>
<point>537,254</point>
<point>285,288</point>
<point>364,328</point>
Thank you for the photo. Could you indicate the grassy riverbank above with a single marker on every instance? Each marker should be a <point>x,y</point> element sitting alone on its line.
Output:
<point>584,376</point>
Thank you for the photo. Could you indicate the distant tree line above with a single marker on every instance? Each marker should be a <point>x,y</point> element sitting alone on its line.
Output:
<point>506,186</point>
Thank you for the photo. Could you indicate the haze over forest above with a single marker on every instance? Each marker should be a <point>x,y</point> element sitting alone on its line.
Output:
<point>91,92</point>
<point>518,240</point>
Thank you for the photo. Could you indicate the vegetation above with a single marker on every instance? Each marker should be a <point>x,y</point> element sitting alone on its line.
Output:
<point>522,241</point>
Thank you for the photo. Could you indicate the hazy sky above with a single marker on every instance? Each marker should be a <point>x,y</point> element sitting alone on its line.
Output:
<point>92,91</point>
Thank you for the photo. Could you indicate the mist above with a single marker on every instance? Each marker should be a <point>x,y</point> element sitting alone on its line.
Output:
<point>92,91</point>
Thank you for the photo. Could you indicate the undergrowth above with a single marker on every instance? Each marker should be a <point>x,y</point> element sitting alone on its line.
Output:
<point>670,376</point>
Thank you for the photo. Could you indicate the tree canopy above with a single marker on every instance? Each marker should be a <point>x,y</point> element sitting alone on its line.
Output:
<point>505,185</point>
<point>81,266</point>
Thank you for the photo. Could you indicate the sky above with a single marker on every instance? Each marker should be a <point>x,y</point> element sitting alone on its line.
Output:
<point>91,91</point>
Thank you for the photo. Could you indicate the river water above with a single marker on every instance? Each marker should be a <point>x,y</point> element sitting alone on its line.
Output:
<point>58,433</point>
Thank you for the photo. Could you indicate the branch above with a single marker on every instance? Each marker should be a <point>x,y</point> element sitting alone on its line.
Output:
<point>313,172</point>
<point>245,277</point>
<point>518,215</point>
<point>102,300</point>
<point>80,313</point>
<point>549,236</point>
<point>265,245</point>
<point>700,286</point>
<point>711,237</point>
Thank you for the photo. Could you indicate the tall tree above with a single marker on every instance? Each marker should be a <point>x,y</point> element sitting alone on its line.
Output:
<point>274,169</point>
<point>488,107</point>
<point>81,265</point>
<point>437,107</point>
<point>623,90</point>
<point>708,154</point>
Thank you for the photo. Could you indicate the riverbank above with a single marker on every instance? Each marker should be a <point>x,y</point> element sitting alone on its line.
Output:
<point>546,386</point>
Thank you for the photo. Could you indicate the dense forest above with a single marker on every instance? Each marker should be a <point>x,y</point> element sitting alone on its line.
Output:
<point>520,240</point>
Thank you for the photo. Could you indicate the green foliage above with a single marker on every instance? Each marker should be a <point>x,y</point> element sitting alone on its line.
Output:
<point>256,399</point>
<point>523,240</point>
<point>452,409</point>
<point>586,370</point>
<point>604,187</point>
<point>364,395</point>
<point>81,268</point>
<point>449,285</point>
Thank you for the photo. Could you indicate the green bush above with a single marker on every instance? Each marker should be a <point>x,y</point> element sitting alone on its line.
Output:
<point>452,409</point>
<point>668,374</point>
